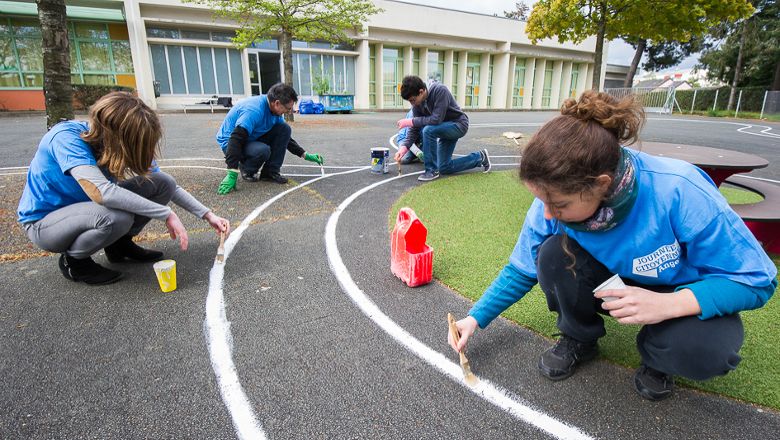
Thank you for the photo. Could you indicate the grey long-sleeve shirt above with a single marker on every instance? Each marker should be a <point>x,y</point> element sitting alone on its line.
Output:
<point>438,107</point>
<point>116,197</point>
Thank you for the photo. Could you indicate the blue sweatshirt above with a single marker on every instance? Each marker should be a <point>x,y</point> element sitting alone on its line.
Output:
<point>680,232</point>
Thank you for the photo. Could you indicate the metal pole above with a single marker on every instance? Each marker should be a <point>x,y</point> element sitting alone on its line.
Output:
<point>738,101</point>
<point>714,104</point>
<point>763,104</point>
<point>694,100</point>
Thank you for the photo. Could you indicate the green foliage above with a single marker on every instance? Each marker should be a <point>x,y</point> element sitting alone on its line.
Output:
<point>473,222</point>
<point>320,82</point>
<point>655,21</point>
<point>87,94</point>
<point>760,54</point>
<point>305,20</point>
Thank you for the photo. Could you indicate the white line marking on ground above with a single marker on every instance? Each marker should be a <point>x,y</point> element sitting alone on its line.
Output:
<point>216,329</point>
<point>492,393</point>
<point>745,126</point>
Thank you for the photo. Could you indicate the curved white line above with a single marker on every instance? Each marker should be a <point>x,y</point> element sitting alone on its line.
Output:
<point>493,394</point>
<point>745,126</point>
<point>216,329</point>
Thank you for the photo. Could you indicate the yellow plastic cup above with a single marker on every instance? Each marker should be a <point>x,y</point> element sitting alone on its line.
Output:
<point>166,274</point>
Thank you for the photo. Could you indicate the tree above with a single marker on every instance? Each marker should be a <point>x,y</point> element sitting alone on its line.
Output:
<point>304,20</point>
<point>760,66</point>
<point>652,20</point>
<point>520,12</point>
<point>660,56</point>
<point>57,89</point>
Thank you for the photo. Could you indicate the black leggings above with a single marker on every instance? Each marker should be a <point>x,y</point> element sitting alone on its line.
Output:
<point>688,346</point>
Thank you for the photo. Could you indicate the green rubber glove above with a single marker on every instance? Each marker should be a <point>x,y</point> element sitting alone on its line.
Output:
<point>228,183</point>
<point>313,158</point>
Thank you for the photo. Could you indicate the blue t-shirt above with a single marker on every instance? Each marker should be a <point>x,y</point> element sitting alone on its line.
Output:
<point>49,184</point>
<point>251,113</point>
<point>681,230</point>
<point>402,132</point>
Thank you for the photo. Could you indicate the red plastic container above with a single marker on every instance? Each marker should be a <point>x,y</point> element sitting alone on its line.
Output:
<point>412,259</point>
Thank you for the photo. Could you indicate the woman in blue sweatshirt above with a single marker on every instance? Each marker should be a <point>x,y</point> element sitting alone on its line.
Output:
<point>690,263</point>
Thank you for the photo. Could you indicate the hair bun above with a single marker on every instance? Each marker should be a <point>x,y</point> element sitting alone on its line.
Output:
<point>623,118</point>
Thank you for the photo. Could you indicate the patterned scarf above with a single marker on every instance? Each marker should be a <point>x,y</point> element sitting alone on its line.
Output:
<point>616,207</point>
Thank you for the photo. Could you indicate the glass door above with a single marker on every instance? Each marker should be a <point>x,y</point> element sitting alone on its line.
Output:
<point>254,74</point>
<point>471,100</point>
<point>392,75</point>
<point>264,71</point>
<point>518,84</point>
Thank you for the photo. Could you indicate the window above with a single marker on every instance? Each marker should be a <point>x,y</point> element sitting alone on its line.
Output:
<point>191,34</point>
<point>321,45</point>
<point>490,81</point>
<point>436,65</point>
<point>518,84</point>
<point>575,74</point>
<point>99,52</point>
<point>340,71</point>
<point>416,62</point>
<point>197,70</point>
<point>455,57</point>
<point>372,76</point>
<point>547,86</point>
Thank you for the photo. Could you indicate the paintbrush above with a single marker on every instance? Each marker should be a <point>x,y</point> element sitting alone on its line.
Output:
<point>468,376</point>
<point>221,249</point>
<point>399,168</point>
<point>513,136</point>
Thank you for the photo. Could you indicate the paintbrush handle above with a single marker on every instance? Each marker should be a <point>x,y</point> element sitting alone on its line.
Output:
<point>456,336</point>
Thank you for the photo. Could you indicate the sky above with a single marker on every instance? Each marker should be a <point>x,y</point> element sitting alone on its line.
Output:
<point>619,52</point>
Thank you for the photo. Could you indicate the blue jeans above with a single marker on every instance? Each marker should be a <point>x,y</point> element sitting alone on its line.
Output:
<point>687,346</point>
<point>438,145</point>
<point>267,151</point>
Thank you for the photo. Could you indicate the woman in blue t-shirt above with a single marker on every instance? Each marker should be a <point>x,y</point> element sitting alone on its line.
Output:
<point>95,184</point>
<point>690,263</point>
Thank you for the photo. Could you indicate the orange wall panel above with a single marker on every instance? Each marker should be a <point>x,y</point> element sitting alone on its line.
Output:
<point>22,100</point>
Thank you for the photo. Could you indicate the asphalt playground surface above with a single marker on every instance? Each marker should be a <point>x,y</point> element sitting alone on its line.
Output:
<point>303,332</point>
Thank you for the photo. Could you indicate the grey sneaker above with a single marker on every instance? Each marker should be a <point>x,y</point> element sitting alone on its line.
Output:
<point>652,384</point>
<point>485,161</point>
<point>428,176</point>
<point>559,362</point>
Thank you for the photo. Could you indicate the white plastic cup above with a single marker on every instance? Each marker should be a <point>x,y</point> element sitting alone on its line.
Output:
<point>166,274</point>
<point>611,284</point>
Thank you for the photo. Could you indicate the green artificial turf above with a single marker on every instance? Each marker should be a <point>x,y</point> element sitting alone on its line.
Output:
<point>473,222</point>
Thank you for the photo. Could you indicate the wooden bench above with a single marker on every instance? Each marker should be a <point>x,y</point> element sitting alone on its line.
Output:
<point>762,218</point>
<point>200,102</point>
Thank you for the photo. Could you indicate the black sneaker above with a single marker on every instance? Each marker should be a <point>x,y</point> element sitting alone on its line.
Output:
<point>652,384</point>
<point>248,177</point>
<point>428,176</point>
<point>84,270</point>
<point>485,161</point>
<point>273,177</point>
<point>559,362</point>
<point>126,248</point>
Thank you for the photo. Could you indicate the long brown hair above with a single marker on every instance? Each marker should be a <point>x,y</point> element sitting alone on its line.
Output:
<point>568,153</point>
<point>125,133</point>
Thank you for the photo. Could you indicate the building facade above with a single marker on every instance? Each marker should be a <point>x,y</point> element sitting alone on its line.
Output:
<point>185,53</point>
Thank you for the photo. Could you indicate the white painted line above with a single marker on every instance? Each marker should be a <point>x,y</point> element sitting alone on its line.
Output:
<point>497,396</point>
<point>216,329</point>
